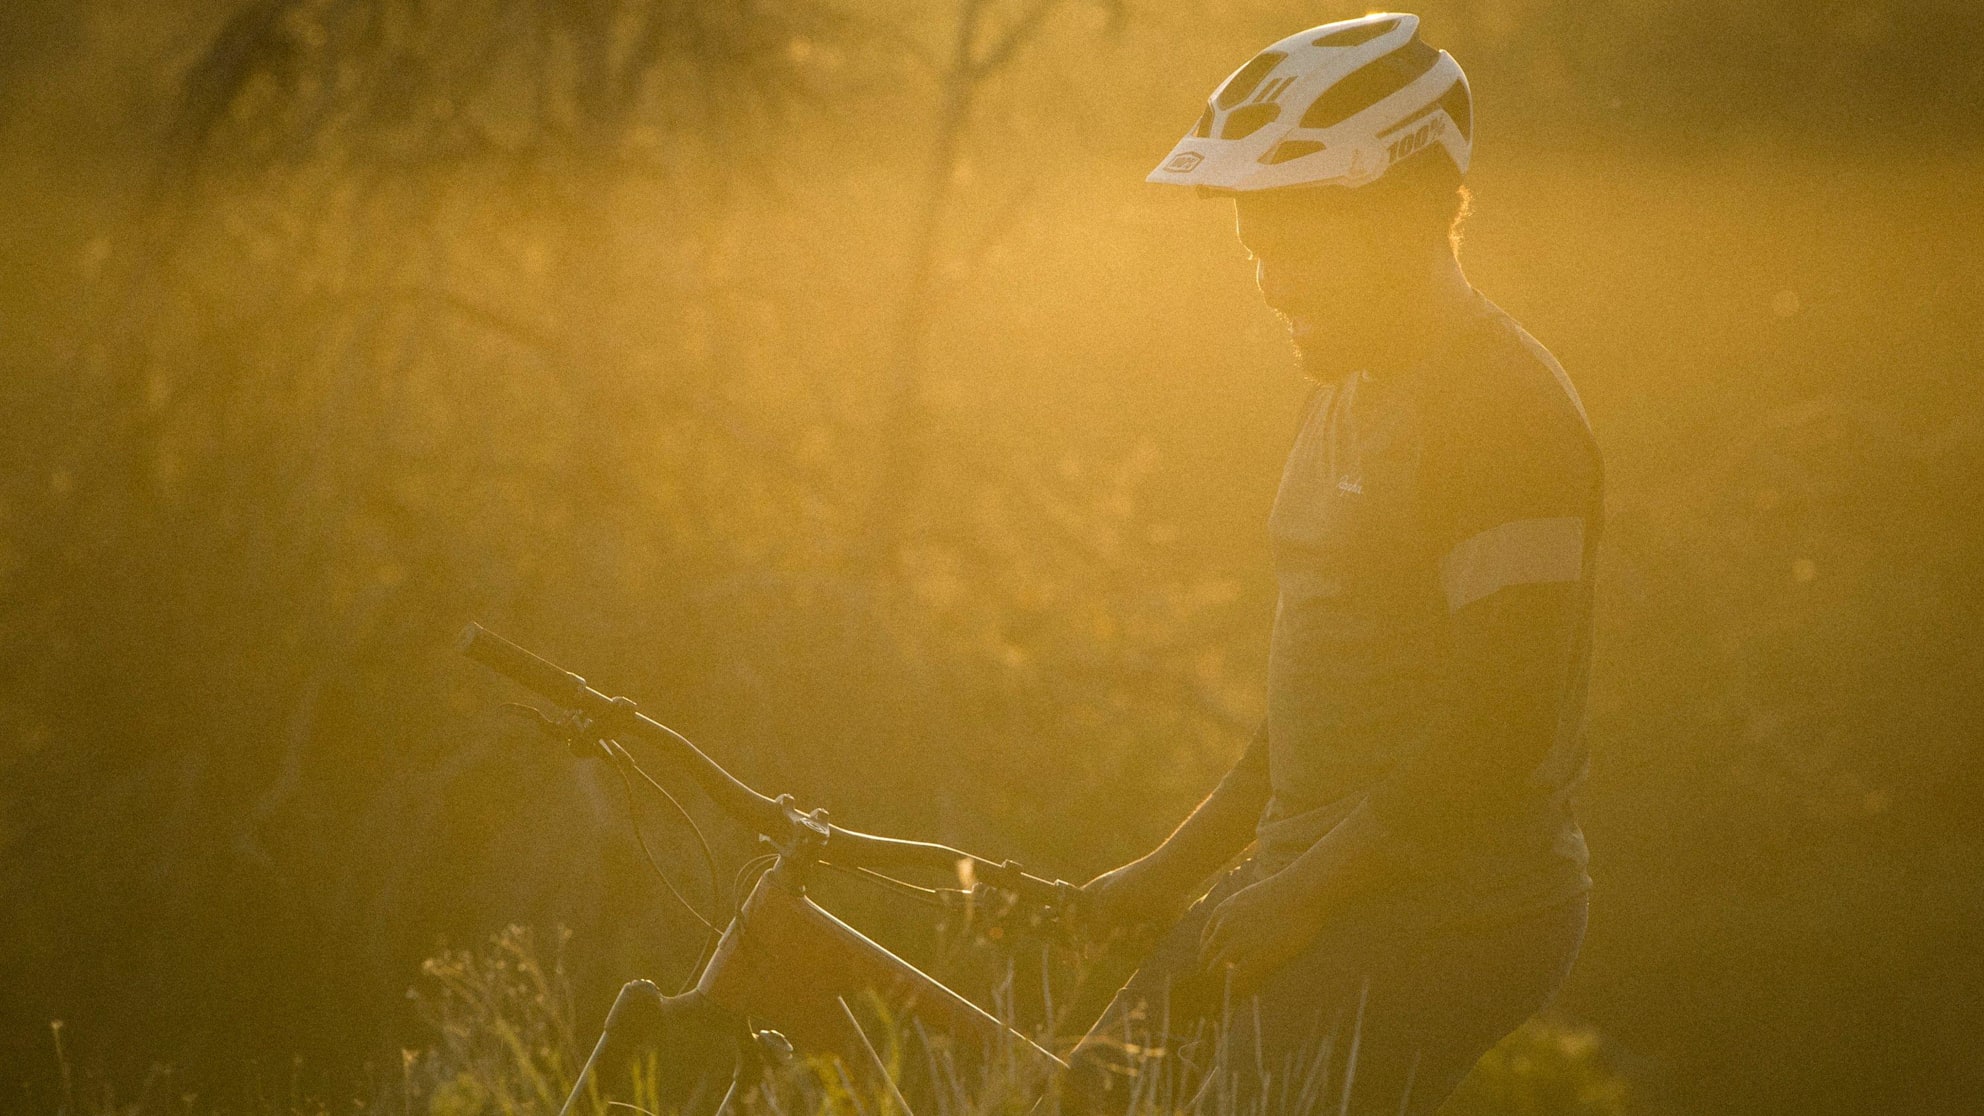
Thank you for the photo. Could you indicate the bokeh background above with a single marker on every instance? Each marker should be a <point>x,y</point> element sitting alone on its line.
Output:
<point>823,373</point>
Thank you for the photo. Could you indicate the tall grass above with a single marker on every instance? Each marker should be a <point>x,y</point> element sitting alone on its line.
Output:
<point>504,1040</point>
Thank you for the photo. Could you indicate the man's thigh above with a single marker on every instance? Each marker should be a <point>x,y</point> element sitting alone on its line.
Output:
<point>1372,1021</point>
<point>1385,1019</point>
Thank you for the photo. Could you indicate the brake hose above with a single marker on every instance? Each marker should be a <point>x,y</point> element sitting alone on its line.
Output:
<point>622,761</point>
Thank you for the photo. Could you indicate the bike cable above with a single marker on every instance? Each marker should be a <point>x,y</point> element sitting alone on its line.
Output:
<point>929,895</point>
<point>758,864</point>
<point>622,761</point>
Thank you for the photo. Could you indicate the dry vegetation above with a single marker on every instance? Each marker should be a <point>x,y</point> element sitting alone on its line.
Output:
<point>503,1040</point>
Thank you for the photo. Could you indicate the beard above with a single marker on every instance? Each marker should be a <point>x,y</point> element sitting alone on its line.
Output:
<point>1324,357</point>
<point>1320,362</point>
<point>1331,344</point>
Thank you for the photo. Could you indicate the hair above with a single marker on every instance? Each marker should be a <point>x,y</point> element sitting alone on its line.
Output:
<point>1463,209</point>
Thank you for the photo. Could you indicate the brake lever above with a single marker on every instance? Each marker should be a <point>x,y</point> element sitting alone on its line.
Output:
<point>1055,921</point>
<point>571,730</point>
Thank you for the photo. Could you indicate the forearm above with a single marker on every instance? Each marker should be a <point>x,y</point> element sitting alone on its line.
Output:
<point>1220,827</point>
<point>1351,860</point>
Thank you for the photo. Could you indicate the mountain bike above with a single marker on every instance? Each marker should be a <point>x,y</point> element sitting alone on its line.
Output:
<point>784,979</point>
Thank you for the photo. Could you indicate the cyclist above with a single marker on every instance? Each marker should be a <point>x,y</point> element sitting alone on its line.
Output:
<point>1417,886</point>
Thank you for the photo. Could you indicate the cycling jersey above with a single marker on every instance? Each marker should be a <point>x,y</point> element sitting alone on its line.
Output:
<point>1434,536</point>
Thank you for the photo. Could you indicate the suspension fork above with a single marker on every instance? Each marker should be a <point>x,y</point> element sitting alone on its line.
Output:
<point>787,965</point>
<point>701,1049</point>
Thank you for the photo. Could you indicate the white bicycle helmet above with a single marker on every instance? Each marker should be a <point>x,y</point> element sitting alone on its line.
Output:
<point>1336,105</point>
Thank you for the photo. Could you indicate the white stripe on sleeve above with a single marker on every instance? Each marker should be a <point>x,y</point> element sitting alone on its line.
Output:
<point>1519,552</point>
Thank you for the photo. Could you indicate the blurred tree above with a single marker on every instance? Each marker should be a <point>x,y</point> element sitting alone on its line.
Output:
<point>474,309</point>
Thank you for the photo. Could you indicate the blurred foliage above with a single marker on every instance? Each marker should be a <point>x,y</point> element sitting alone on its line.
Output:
<point>503,1033</point>
<point>829,382</point>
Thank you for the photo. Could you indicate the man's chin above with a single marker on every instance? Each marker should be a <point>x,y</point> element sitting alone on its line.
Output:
<point>1323,370</point>
<point>1319,361</point>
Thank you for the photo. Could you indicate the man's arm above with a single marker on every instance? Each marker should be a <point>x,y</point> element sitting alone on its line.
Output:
<point>1512,650</point>
<point>1161,881</point>
<point>1513,656</point>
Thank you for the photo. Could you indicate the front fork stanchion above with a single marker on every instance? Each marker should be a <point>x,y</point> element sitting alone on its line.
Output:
<point>613,1014</point>
<point>691,1035</point>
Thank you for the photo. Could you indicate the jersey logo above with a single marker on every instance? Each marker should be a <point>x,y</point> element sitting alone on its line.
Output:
<point>1354,487</point>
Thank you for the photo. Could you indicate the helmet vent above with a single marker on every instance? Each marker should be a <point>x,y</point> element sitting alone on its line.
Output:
<point>1291,149</point>
<point>1366,87</point>
<point>1460,106</point>
<point>1247,120</point>
<point>1247,77</point>
<point>1453,102</point>
<point>1353,36</point>
<point>1204,128</point>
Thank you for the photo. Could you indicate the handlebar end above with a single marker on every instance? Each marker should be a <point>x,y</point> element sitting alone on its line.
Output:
<point>469,635</point>
<point>550,682</point>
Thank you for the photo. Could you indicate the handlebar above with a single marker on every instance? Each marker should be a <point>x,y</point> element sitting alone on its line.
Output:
<point>601,717</point>
<point>607,716</point>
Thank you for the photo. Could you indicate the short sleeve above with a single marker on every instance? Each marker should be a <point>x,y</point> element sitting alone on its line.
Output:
<point>1510,482</point>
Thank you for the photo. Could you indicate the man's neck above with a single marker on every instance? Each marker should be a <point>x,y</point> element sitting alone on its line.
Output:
<point>1404,328</point>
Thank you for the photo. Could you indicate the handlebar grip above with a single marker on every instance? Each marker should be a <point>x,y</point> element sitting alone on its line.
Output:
<point>527,670</point>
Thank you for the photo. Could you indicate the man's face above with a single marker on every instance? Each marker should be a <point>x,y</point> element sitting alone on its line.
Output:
<point>1327,269</point>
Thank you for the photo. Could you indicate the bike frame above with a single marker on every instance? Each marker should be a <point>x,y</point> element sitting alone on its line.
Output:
<point>785,963</point>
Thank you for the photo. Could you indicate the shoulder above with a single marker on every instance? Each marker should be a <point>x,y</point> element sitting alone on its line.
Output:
<point>1513,477</point>
<point>1496,400</point>
<point>1505,434</point>
<point>1493,370</point>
